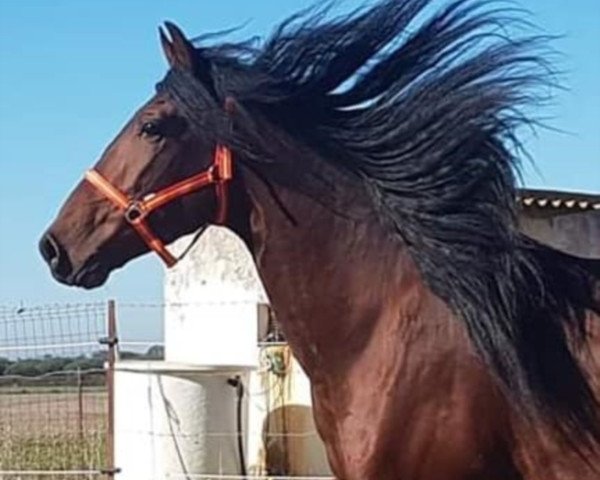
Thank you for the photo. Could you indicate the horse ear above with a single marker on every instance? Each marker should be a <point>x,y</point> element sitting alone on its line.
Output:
<point>181,54</point>
<point>166,46</point>
<point>179,50</point>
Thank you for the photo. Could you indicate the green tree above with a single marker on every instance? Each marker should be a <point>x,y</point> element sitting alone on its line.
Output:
<point>24,368</point>
<point>155,352</point>
<point>4,364</point>
<point>126,355</point>
<point>50,364</point>
<point>84,363</point>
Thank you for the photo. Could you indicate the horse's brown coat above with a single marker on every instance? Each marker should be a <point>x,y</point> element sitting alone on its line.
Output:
<point>399,393</point>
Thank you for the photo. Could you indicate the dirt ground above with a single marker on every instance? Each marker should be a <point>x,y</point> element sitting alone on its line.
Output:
<point>52,412</point>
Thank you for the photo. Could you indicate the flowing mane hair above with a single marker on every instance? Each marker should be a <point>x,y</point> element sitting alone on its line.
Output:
<point>423,106</point>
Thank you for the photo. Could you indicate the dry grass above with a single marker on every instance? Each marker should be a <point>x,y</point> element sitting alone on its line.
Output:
<point>52,430</point>
<point>58,452</point>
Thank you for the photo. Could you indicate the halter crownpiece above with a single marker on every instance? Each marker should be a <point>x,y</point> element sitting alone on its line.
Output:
<point>135,212</point>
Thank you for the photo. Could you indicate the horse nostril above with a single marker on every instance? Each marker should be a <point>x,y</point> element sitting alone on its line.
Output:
<point>55,256</point>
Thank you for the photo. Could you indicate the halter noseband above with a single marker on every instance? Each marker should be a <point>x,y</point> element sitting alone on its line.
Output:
<point>135,212</point>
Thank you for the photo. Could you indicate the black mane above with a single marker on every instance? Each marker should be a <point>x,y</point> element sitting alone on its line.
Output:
<point>425,107</point>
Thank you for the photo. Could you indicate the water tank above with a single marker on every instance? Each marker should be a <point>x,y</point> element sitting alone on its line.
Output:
<point>173,419</point>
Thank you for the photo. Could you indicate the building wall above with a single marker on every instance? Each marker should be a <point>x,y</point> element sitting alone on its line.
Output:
<point>574,233</point>
<point>212,296</point>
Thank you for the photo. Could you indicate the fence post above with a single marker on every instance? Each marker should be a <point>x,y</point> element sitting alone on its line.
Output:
<point>110,385</point>
<point>80,420</point>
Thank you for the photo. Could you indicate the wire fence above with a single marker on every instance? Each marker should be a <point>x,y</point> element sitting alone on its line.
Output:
<point>54,393</point>
<point>57,397</point>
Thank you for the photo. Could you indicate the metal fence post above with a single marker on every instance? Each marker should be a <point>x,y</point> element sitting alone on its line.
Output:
<point>111,342</point>
<point>80,415</point>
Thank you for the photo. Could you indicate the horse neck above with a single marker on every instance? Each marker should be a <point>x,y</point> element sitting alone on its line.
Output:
<point>337,279</point>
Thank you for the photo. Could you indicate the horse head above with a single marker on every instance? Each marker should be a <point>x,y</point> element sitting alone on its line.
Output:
<point>164,175</point>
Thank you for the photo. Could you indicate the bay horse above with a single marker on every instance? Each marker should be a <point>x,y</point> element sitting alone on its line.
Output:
<point>369,163</point>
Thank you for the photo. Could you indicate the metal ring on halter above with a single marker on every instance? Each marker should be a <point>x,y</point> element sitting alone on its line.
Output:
<point>135,212</point>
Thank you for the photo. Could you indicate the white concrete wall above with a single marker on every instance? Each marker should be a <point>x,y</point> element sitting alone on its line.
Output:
<point>212,298</point>
<point>171,420</point>
<point>283,437</point>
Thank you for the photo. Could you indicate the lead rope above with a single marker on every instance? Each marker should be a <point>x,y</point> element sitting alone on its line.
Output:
<point>197,236</point>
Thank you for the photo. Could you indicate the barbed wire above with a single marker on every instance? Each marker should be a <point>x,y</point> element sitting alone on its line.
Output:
<point>141,343</point>
<point>205,476</point>
<point>201,303</point>
<point>50,473</point>
<point>49,346</point>
<point>232,434</point>
<point>186,475</point>
<point>45,376</point>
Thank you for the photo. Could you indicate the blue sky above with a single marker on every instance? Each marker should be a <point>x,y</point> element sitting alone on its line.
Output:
<point>72,72</point>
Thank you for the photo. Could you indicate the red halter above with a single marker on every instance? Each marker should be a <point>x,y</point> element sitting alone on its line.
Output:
<point>136,211</point>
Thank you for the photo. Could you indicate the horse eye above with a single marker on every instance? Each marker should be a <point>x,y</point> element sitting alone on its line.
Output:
<point>152,129</point>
